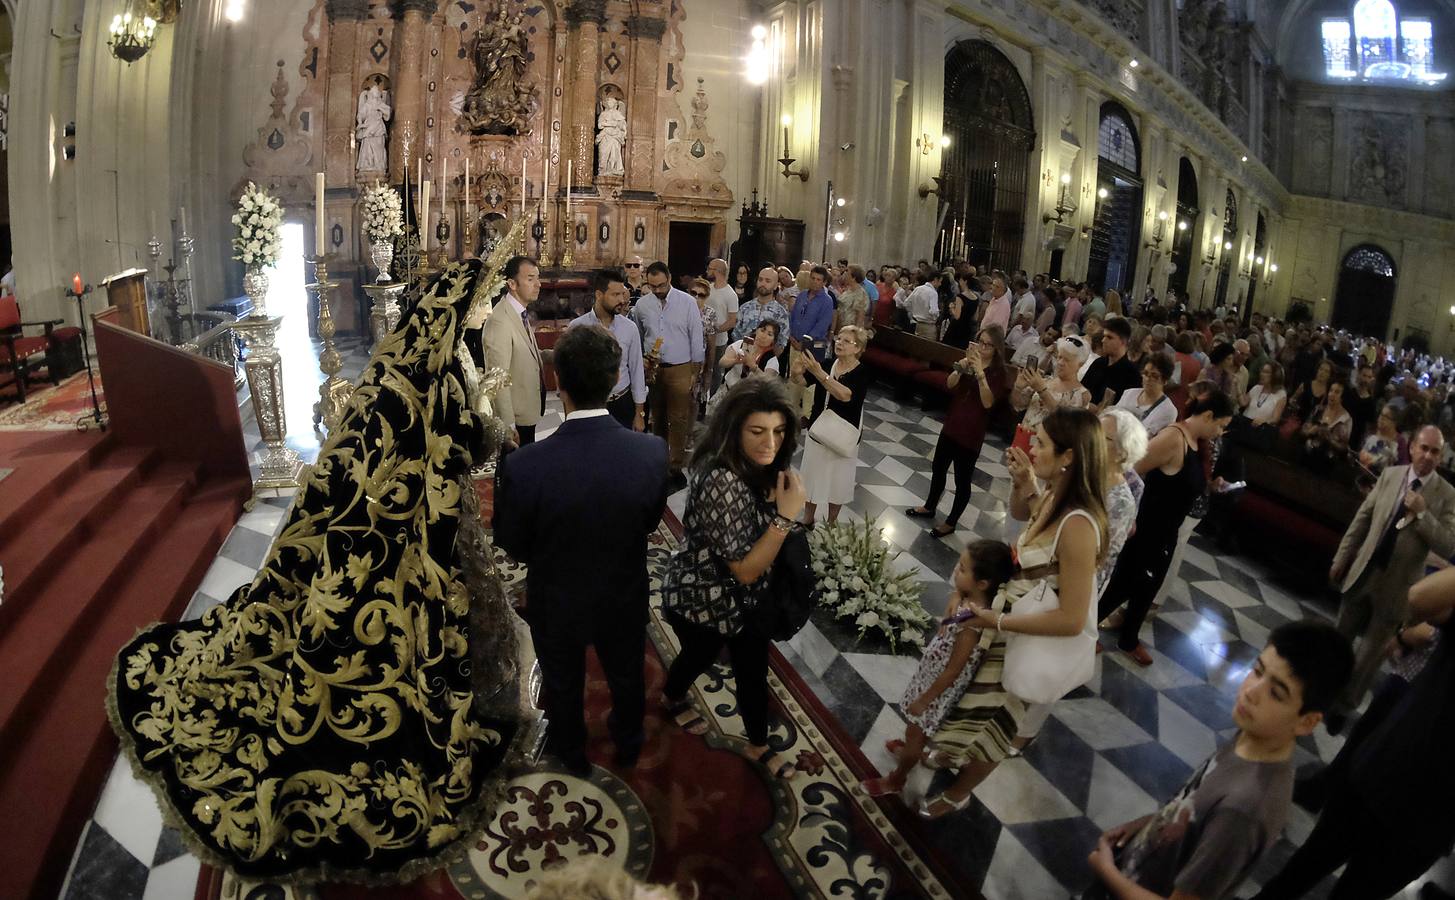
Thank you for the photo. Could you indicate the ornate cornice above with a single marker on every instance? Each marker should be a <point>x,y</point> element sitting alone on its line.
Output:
<point>586,11</point>
<point>347,10</point>
<point>427,7</point>
<point>646,27</point>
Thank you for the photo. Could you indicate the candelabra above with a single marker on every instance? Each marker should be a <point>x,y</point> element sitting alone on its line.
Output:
<point>468,228</point>
<point>442,241</point>
<point>185,246</point>
<point>334,392</point>
<point>280,468</point>
<point>540,233</point>
<point>568,244</point>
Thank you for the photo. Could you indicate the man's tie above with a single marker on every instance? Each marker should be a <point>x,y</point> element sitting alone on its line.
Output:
<point>1385,548</point>
<point>530,335</point>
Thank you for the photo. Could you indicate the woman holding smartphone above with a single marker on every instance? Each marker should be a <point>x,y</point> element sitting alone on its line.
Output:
<point>977,383</point>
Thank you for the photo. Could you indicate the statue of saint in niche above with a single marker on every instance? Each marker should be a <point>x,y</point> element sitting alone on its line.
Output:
<point>610,138</point>
<point>500,102</point>
<point>374,112</point>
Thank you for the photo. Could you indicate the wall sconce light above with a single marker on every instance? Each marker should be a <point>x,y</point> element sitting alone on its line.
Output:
<point>1102,193</point>
<point>1064,207</point>
<point>925,143</point>
<point>938,190</point>
<point>1273,267</point>
<point>1182,225</point>
<point>1159,231</point>
<point>1258,260</point>
<point>839,237</point>
<point>787,161</point>
<point>1227,245</point>
<point>755,66</point>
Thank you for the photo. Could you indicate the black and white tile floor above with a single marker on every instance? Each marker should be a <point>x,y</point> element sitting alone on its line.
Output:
<point>1109,753</point>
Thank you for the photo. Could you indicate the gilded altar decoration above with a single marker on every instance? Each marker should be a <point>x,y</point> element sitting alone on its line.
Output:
<point>350,714</point>
<point>501,101</point>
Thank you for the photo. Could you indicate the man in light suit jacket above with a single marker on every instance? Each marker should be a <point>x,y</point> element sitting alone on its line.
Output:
<point>577,509</point>
<point>510,344</point>
<point>1409,513</point>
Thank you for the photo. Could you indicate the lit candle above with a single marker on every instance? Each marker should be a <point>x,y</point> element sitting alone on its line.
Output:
<point>182,215</point>
<point>424,217</point>
<point>522,187</point>
<point>76,283</point>
<point>570,166</point>
<point>319,241</point>
<point>444,180</point>
<point>467,182</point>
<point>152,221</point>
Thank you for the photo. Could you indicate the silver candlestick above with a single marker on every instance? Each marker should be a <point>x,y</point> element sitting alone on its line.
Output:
<point>280,466</point>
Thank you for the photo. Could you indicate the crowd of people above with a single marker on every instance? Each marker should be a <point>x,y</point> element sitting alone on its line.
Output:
<point>1126,424</point>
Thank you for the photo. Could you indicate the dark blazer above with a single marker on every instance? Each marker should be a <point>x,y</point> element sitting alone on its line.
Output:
<point>577,509</point>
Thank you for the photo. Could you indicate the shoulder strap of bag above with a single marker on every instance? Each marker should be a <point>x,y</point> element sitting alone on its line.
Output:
<point>1056,542</point>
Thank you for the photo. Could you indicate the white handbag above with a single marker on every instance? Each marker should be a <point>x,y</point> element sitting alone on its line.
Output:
<point>834,432</point>
<point>1043,669</point>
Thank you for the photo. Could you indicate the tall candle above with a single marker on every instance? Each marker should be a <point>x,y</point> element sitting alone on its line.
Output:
<point>424,217</point>
<point>182,215</point>
<point>76,283</point>
<point>444,180</point>
<point>152,221</point>
<point>570,164</point>
<point>319,242</point>
<point>467,182</point>
<point>522,187</point>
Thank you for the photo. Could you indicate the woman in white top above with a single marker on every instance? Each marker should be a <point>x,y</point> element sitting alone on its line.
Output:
<point>750,355</point>
<point>1039,395</point>
<point>1150,403</point>
<point>1267,399</point>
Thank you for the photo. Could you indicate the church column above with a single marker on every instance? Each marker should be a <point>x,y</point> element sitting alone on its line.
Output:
<point>641,159</point>
<point>408,97</point>
<point>344,17</point>
<point>586,18</point>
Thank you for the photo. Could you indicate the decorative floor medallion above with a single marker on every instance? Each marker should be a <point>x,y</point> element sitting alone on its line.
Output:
<point>549,818</point>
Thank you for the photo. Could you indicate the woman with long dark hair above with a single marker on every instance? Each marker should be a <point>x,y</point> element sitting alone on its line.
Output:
<point>977,383</point>
<point>1173,479</point>
<point>1063,544</point>
<point>742,282</point>
<point>741,502</point>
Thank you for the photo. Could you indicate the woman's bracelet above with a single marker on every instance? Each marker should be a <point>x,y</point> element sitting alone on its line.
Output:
<point>1000,622</point>
<point>781,523</point>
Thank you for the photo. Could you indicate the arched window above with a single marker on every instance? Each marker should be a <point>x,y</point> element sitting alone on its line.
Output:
<point>1375,44</point>
<point>1370,259</point>
<point>1117,142</point>
<point>1117,221</point>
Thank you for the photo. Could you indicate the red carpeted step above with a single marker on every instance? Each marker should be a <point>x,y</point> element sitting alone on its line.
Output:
<point>56,769</point>
<point>44,461</point>
<point>43,638</point>
<point>43,544</point>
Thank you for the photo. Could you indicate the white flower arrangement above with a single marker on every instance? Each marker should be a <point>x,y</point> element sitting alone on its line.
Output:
<point>259,220</point>
<point>857,582</point>
<point>383,214</point>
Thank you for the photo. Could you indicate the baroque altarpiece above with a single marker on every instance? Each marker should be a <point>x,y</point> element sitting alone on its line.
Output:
<point>532,95</point>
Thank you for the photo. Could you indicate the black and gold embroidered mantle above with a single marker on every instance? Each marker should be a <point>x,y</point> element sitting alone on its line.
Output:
<point>349,713</point>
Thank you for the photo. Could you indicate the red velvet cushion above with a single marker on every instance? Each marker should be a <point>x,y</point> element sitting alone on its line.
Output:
<point>24,347</point>
<point>9,313</point>
<point>66,335</point>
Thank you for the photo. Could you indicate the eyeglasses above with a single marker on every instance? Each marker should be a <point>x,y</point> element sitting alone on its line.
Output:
<point>699,295</point>
<point>633,265</point>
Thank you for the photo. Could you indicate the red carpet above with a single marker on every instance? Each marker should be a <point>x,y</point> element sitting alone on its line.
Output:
<point>98,538</point>
<point>52,407</point>
<point>693,812</point>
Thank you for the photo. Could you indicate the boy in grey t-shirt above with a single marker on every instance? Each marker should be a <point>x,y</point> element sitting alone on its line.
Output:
<point>1203,843</point>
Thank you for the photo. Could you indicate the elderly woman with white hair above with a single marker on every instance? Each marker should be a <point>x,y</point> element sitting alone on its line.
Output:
<point>1126,444</point>
<point>1039,395</point>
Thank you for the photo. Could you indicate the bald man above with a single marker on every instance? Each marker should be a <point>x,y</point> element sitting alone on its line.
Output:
<point>1408,514</point>
<point>764,307</point>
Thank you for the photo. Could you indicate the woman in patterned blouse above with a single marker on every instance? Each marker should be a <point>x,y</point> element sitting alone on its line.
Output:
<point>741,502</point>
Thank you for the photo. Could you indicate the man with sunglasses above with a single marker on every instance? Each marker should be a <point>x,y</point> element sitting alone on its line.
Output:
<point>633,269</point>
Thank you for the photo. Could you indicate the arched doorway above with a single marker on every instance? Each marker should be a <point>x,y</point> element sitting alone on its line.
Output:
<point>1364,297</point>
<point>985,168</point>
<point>1187,211</point>
<point>1230,244</point>
<point>1260,261</point>
<point>1118,220</point>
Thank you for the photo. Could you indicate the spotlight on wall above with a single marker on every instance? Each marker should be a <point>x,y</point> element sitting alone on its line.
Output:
<point>756,65</point>
<point>759,32</point>
<point>1273,267</point>
<point>839,236</point>
<point>1103,193</point>
<point>1182,225</point>
<point>1245,159</point>
<point>1227,245</point>
<point>944,140</point>
<point>234,11</point>
<point>1258,260</point>
<point>839,201</point>
<point>1065,177</point>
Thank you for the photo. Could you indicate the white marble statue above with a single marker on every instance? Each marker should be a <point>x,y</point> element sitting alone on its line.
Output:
<point>374,111</point>
<point>610,137</point>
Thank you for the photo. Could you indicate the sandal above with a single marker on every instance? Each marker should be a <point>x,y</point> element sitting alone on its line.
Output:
<point>780,767</point>
<point>880,787</point>
<point>919,512</point>
<point>894,746</point>
<point>686,717</point>
<point>939,759</point>
<point>946,806</point>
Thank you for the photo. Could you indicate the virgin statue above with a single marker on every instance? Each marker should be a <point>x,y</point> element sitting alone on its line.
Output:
<point>352,713</point>
<point>610,138</point>
<point>500,102</point>
<point>374,112</point>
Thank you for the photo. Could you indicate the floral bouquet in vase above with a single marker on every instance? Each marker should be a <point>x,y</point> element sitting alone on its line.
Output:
<point>858,581</point>
<point>383,222</point>
<point>259,220</point>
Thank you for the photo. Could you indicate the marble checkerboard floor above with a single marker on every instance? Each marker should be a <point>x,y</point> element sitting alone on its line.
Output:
<point>1110,752</point>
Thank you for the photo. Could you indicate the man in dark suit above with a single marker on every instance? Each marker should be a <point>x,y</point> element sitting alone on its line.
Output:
<point>577,509</point>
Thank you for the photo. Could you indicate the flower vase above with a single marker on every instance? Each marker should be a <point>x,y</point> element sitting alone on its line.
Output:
<point>382,254</point>
<point>255,286</point>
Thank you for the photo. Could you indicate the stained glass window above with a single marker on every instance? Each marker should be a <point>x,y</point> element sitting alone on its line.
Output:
<point>1117,144</point>
<point>1370,259</point>
<point>1375,44</point>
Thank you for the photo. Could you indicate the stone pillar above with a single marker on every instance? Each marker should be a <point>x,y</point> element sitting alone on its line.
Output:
<point>586,18</point>
<point>344,17</point>
<point>641,152</point>
<point>409,53</point>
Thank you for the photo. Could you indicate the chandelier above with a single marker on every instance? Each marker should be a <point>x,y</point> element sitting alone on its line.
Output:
<point>132,34</point>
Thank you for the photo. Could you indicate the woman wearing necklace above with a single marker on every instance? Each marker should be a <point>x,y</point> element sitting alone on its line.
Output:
<point>1150,403</point>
